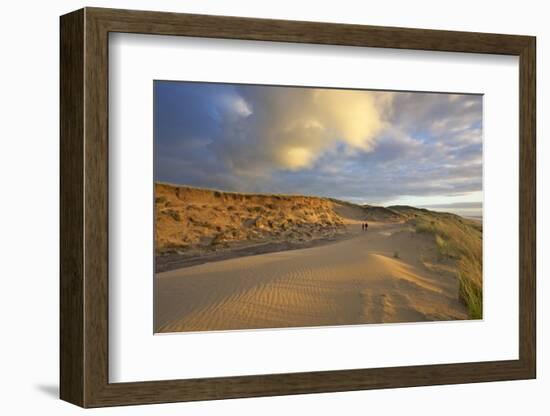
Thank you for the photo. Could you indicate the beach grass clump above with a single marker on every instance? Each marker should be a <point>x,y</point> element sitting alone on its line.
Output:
<point>175,215</point>
<point>461,240</point>
<point>160,200</point>
<point>470,291</point>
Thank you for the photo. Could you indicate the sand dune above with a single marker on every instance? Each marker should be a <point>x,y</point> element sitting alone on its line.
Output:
<point>198,221</point>
<point>386,274</point>
<point>241,261</point>
<point>194,225</point>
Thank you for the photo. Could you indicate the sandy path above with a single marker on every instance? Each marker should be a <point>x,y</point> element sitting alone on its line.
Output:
<point>355,281</point>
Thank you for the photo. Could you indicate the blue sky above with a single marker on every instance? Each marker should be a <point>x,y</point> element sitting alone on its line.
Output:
<point>375,147</point>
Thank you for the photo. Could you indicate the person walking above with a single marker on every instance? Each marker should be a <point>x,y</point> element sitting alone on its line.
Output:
<point>363,226</point>
<point>366,225</point>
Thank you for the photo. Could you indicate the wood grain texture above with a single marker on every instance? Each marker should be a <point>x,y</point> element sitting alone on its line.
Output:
<point>528,207</point>
<point>84,207</point>
<point>162,23</point>
<point>96,228</point>
<point>71,213</point>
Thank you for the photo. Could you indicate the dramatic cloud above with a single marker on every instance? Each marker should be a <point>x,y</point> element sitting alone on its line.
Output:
<point>365,146</point>
<point>292,128</point>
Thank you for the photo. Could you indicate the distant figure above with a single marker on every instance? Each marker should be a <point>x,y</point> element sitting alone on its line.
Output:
<point>366,226</point>
<point>363,226</point>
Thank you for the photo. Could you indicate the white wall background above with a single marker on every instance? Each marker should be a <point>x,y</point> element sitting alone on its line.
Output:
<point>29,209</point>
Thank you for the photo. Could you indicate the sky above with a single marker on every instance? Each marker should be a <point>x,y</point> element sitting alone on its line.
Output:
<point>373,147</point>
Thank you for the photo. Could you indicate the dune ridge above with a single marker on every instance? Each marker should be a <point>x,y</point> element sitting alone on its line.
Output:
<point>201,221</point>
<point>242,261</point>
<point>356,281</point>
<point>191,218</point>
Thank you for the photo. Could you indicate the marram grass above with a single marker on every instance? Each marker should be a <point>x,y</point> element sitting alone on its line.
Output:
<point>460,239</point>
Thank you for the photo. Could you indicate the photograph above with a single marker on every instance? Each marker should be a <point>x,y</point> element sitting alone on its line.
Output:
<point>282,206</point>
<point>278,205</point>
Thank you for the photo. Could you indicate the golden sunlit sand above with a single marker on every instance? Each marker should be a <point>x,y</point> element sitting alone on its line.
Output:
<point>393,272</point>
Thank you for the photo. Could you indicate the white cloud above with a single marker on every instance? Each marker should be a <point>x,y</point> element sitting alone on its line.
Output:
<point>368,146</point>
<point>234,105</point>
<point>290,129</point>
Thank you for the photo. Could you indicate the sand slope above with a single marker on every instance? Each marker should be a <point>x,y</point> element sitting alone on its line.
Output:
<point>198,221</point>
<point>195,225</point>
<point>387,274</point>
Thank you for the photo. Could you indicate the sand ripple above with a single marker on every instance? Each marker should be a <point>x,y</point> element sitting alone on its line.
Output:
<point>356,281</point>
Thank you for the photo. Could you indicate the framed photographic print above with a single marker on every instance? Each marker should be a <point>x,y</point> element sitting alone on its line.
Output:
<point>257,207</point>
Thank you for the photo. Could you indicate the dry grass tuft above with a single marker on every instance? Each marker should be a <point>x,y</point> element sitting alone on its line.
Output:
<point>195,219</point>
<point>459,239</point>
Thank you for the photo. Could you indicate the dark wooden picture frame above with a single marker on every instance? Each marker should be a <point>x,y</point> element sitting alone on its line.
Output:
<point>84,207</point>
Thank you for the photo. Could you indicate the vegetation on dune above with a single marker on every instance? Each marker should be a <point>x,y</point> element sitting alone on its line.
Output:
<point>459,239</point>
<point>194,219</point>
